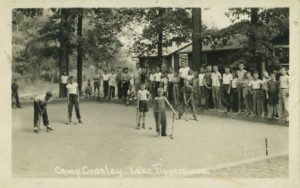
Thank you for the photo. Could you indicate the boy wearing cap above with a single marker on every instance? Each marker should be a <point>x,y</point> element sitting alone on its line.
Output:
<point>40,109</point>
<point>73,99</point>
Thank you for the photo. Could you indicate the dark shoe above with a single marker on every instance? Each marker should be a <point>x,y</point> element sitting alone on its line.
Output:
<point>138,127</point>
<point>143,126</point>
<point>36,131</point>
<point>79,121</point>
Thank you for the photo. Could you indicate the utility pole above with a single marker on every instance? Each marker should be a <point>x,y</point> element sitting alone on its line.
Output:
<point>196,39</point>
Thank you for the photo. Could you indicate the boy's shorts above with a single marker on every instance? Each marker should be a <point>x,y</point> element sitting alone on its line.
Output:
<point>143,106</point>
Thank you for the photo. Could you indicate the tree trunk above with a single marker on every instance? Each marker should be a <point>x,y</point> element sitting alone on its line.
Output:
<point>196,39</point>
<point>160,38</point>
<point>254,21</point>
<point>79,53</point>
<point>64,52</point>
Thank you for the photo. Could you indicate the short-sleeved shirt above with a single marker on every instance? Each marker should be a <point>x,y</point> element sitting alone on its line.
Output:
<point>170,77</point>
<point>112,79</point>
<point>207,78</point>
<point>137,73</point>
<point>201,79</point>
<point>41,99</point>
<point>183,72</point>
<point>105,77</point>
<point>152,78</point>
<point>241,74</point>
<point>72,88</point>
<point>227,78</point>
<point>64,79</point>
<point>97,77</point>
<point>187,90</point>
<point>126,77</point>
<point>190,78</point>
<point>264,83</point>
<point>216,79</point>
<point>284,82</point>
<point>157,76</point>
<point>255,84</point>
<point>143,94</point>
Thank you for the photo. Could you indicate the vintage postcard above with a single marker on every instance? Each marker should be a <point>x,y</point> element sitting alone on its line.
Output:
<point>154,93</point>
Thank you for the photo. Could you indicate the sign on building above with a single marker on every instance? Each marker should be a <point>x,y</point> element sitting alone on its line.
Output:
<point>183,58</point>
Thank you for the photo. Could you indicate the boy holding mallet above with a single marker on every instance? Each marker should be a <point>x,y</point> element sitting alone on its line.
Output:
<point>40,110</point>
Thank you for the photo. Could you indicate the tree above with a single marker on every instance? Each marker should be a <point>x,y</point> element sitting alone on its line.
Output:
<point>162,27</point>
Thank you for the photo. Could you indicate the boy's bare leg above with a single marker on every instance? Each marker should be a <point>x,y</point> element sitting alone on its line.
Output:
<point>144,118</point>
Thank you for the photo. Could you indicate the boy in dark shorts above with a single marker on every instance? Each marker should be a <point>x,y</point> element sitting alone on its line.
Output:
<point>272,96</point>
<point>143,96</point>
<point>40,110</point>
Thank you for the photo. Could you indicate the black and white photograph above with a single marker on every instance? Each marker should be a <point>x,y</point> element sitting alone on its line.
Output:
<point>167,92</point>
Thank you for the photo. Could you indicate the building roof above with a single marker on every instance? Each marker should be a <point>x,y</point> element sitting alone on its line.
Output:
<point>236,42</point>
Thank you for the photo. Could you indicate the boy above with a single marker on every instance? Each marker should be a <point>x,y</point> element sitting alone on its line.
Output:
<point>63,82</point>
<point>15,94</point>
<point>105,78</point>
<point>201,88</point>
<point>190,77</point>
<point>130,95</point>
<point>159,112</point>
<point>247,95</point>
<point>183,73</point>
<point>157,79</point>
<point>152,82</point>
<point>255,90</point>
<point>272,96</point>
<point>88,89</point>
<point>264,86</point>
<point>112,84</point>
<point>40,109</point>
<point>283,95</point>
<point>188,101</point>
<point>195,84</point>
<point>170,85</point>
<point>234,93</point>
<point>227,81</point>
<point>97,78</point>
<point>208,91</point>
<point>176,92</point>
<point>216,78</point>
<point>164,82</point>
<point>241,73</point>
<point>73,100</point>
<point>143,97</point>
<point>125,82</point>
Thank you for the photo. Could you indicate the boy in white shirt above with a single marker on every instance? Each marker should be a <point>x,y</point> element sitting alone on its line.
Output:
<point>201,88</point>
<point>73,100</point>
<point>157,79</point>
<point>143,97</point>
<point>283,95</point>
<point>40,110</point>
<point>105,78</point>
<point>216,78</point>
<point>64,81</point>
<point>255,90</point>
<point>227,80</point>
<point>112,84</point>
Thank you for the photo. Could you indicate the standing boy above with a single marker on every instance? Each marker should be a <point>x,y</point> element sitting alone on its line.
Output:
<point>137,77</point>
<point>143,97</point>
<point>105,78</point>
<point>255,90</point>
<point>63,82</point>
<point>125,82</point>
<point>152,82</point>
<point>170,85</point>
<point>248,101</point>
<point>159,112</point>
<point>216,78</point>
<point>112,84</point>
<point>73,99</point>
<point>195,84</point>
<point>201,88</point>
<point>97,78</point>
<point>157,78</point>
<point>176,90</point>
<point>241,74</point>
<point>272,96</point>
<point>15,93</point>
<point>283,95</point>
<point>40,110</point>
<point>227,81</point>
<point>208,91</point>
